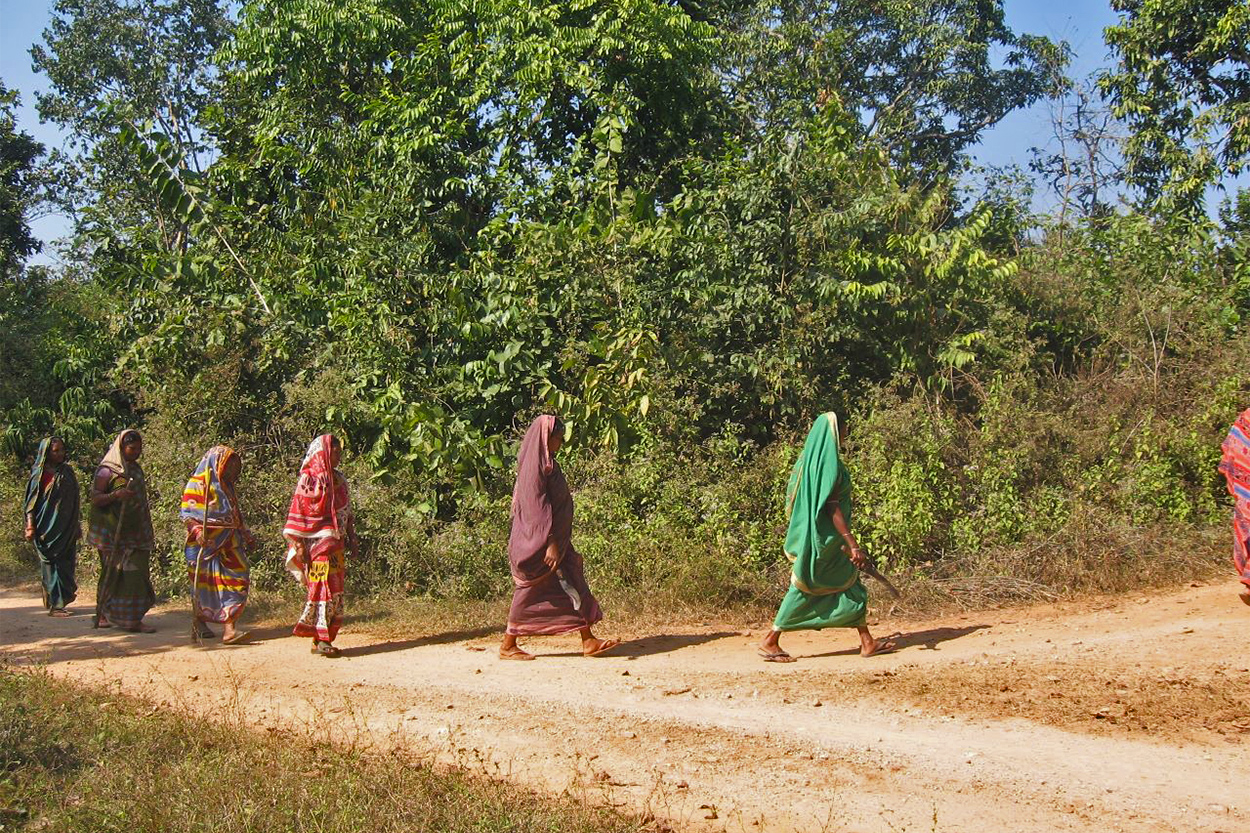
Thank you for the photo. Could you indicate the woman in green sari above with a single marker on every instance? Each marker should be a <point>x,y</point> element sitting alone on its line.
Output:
<point>53,523</point>
<point>825,588</point>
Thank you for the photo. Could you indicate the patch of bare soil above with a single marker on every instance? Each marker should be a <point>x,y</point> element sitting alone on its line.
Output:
<point>1111,715</point>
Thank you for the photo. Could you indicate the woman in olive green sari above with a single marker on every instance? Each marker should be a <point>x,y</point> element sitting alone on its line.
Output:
<point>120,528</point>
<point>825,588</point>
<point>53,523</point>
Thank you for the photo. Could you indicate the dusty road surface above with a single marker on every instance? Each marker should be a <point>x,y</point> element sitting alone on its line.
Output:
<point>1129,714</point>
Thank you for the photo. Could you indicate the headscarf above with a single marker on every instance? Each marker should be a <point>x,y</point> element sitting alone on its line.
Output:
<point>319,498</point>
<point>35,481</point>
<point>812,542</point>
<point>207,487</point>
<point>114,460</point>
<point>536,517</point>
<point>56,507</point>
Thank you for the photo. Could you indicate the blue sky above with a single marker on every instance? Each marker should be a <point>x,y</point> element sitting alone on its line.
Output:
<point>1079,22</point>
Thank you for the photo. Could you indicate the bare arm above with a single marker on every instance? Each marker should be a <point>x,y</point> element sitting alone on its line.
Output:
<point>100,494</point>
<point>844,529</point>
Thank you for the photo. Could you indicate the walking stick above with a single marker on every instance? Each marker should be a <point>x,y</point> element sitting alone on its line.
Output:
<point>111,565</point>
<point>195,580</point>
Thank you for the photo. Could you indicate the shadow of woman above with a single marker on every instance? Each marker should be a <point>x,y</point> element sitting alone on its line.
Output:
<point>421,641</point>
<point>652,645</point>
<point>928,639</point>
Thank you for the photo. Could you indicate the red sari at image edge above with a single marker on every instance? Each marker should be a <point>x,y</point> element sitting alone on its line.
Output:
<point>545,601</point>
<point>320,516</point>
<point>1236,468</point>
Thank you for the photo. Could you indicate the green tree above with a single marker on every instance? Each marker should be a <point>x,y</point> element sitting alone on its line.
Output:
<point>1182,82</point>
<point>927,77</point>
<point>19,186</point>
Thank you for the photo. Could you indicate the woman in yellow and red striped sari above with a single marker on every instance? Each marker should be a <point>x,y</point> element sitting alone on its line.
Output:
<point>217,543</point>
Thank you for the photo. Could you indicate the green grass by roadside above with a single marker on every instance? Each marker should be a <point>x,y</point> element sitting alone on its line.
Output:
<point>77,759</point>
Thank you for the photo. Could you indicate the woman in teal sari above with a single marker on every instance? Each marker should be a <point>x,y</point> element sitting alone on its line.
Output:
<point>53,523</point>
<point>825,588</point>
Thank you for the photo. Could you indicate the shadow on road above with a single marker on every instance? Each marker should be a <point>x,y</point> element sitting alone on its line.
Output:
<point>928,640</point>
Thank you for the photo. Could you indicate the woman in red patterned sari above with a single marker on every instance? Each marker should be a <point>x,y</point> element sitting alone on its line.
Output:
<point>318,526</point>
<point>1236,468</point>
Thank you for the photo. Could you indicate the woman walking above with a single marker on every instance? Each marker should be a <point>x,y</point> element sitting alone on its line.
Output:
<point>317,526</point>
<point>217,544</point>
<point>120,528</point>
<point>1236,468</point>
<point>825,588</point>
<point>53,523</point>
<point>550,596</point>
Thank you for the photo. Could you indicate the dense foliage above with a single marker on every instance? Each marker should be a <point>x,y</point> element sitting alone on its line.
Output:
<point>687,227</point>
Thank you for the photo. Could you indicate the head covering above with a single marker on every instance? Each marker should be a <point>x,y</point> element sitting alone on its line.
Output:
<point>208,488</point>
<point>812,542</point>
<point>533,522</point>
<point>35,481</point>
<point>317,501</point>
<point>114,460</point>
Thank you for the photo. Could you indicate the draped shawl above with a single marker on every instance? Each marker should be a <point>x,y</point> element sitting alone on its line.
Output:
<point>136,529</point>
<point>542,507</point>
<point>1235,466</point>
<point>813,545</point>
<point>321,501</point>
<point>207,487</point>
<point>55,507</point>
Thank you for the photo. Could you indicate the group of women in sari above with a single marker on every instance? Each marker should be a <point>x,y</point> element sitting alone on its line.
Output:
<point>550,592</point>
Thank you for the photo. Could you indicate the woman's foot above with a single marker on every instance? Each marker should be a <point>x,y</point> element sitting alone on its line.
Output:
<point>770,648</point>
<point>869,647</point>
<point>514,652</point>
<point>1245,596</point>
<point>202,631</point>
<point>235,637</point>
<point>598,647</point>
<point>326,649</point>
<point>59,612</point>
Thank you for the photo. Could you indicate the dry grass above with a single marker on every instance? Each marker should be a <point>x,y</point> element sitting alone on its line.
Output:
<point>125,767</point>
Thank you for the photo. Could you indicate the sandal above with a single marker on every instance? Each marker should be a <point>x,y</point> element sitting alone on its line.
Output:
<point>774,656</point>
<point>239,636</point>
<point>515,653</point>
<point>605,645</point>
<point>883,646</point>
<point>326,650</point>
<point>60,613</point>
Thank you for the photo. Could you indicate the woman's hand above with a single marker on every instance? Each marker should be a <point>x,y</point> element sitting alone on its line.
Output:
<point>858,558</point>
<point>30,533</point>
<point>198,532</point>
<point>552,557</point>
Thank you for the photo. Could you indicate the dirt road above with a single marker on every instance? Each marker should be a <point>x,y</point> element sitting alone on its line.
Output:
<point>1129,714</point>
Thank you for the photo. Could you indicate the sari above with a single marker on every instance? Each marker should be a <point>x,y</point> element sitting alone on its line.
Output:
<point>545,600</point>
<point>1235,467</point>
<point>220,581</point>
<point>319,517</point>
<point>52,508</point>
<point>122,533</point>
<point>825,588</point>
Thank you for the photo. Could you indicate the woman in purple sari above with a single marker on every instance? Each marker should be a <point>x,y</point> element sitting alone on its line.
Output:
<point>551,596</point>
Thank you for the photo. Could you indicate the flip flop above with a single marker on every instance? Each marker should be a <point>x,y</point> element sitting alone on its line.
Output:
<point>239,636</point>
<point>327,650</point>
<point>888,646</point>
<point>605,645</point>
<point>774,656</point>
<point>60,613</point>
<point>515,653</point>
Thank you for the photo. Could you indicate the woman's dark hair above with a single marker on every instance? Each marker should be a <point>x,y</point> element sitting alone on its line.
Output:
<point>558,427</point>
<point>131,437</point>
<point>53,440</point>
<point>334,441</point>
